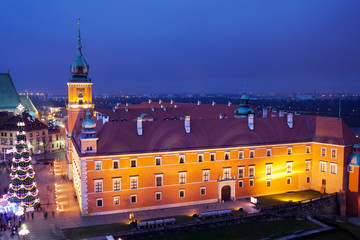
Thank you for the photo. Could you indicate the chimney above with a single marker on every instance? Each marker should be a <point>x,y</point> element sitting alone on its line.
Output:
<point>187,124</point>
<point>150,101</point>
<point>175,106</point>
<point>172,101</point>
<point>162,106</point>
<point>152,109</point>
<point>199,102</point>
<point>213,103</point>
<point>229,103</point>
<point>126,104</point>
<point>264,112</point>
<point>251,122</point>
<point>139,126</point>
<point>221,116</point>
<point>281,113</point>
<point>290,120</point>
<point>126,109</point>
<point>160,101</point>
<point>164,109</point>
<point>105,119</point>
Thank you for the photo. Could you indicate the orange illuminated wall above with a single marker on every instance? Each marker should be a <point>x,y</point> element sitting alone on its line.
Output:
<point>74,90</point>
<point>353,196</point>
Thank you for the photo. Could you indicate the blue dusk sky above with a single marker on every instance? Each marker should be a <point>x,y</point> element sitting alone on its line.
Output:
<point>176,46</point>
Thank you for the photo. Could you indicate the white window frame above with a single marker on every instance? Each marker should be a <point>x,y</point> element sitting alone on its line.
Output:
<point>241,154</point>
<point>162,179</point>
<point>289,151</point>
<point>268,182</point>
<point>136,178</point>
<point>183,157</point>
<point>253,153</point>
<point>307,165</point>
<point>160,194</point>
<point>98,163</point>
<point>131,196</point>
<point>268,152</point>
<point>251,180</point>
<point>160,161</point>
<point>243,172</point>
<point>321,151</point>
<point>333,168</point>
<point>269,167</point>
<point>308,149</point>
<point>212,154</point>
<point>242,183</point>
<point>324,164</point>
<point>226,154</point>
<point>102,185</point>
<point>288,180</point>
<point>335,151</point>
<point>203,188</point>
<point>200,157</point>
<point>226,170</point>
<point>102,202</point>
<point>204,177</point>
<point>289,165</point>
<point>181,190</point>
<point>114,180</point>
<point>251,167</point>
<point>133,160</point>
<point>182,175</point>
<point>116,197</point>
<point>118,163</point>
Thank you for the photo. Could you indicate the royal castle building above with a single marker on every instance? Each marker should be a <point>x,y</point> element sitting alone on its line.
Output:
<point>159,155</point>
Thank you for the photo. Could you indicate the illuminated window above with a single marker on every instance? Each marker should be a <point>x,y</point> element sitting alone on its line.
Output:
<point>308,149</point>
<point>116,184</point>
<point>181,159</point>
<point>158,161</point>
<point>289,151</point>
<point>307,165</point>
<point>158,196</point>
<point>268,168</point>
<point>99,202</point>
<point>227,156</point>
<point>252,153</point>
<point>323,151</point>
<point>212,157</point>
<point>98,165</point>
<point>158,180</point>
<point>133,162</point>
<point>241,172</point>
<point>200,157</point>
<point>251,171</point>
<point>182,193</point>
<point>268,182</point>
<point>333,168</point>
<point>203,191</point>
<point>134,182</point>
<point>226,173</point>
<point>251,182</point>
<point>288,180</point>
<point>98,183</point>
<point>241,183</point>
<point>241,155</point>
<point>116,200</point>
<point>182,177</point>
<point>133,198</point>
<point>115,164</point>
<point>322,166</point>
<point>268,152</point>
<point>333,153</point>
<point>206,175</point>
<point>288,167</point>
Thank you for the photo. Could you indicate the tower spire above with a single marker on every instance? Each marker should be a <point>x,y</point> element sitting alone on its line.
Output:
<point>245,86</point>
<point>79,38</point>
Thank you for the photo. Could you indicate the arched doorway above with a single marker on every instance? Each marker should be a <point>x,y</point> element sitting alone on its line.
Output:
<point>225,193</point>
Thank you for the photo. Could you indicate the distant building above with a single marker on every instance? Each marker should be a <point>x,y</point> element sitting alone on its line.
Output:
<point>9,98</point>
<point>158,155</point>
<point>303,97</point>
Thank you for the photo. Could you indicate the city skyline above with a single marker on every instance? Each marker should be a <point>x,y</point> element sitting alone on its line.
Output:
<point>159,47</point>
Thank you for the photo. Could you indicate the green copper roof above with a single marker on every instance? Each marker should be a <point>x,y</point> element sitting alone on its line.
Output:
<point>9,98</point>
<point>29,106</point>
<point>244,96</point>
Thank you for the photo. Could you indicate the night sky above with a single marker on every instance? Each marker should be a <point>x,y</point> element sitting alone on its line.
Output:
<point>181,46</point>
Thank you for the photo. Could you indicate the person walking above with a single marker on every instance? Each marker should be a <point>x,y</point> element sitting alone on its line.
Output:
<point>32,215</point>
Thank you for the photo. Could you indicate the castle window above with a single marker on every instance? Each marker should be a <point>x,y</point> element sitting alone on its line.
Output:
<point>133,198</point>
<point>182,193</point>
<point>241,172</point>
<point>251,182</point>
<point>116,184</point>
<point>99,202</point>
<point>350,168</point>
<point>268,182</point>
<point>268,152</point>
<point>133,162</point>
<point>288,180</point>
<point>98,183</point>
<point>289,151</point>
<point>308,179</point>
<point>288,167</point>
<point>322,166</point>
<point>333,153</point>
<point>241,155</point>
<point>116,200</point>
<point>134,182</point>
<point>252,153</point>
<point>227,156</point>
<point>212,157</point>
<point>158,180</point>
<point>181,159</point>
<point>182,177</point>
<point>206,175</point>
<point>202,190</point>
<point>307,165</point>
<point>115,164</point>
<point>333,168</point>
<point>226,173</point>
<point>308,149</point>
<point>323,151</point>
<point>200,157</point>
<point>158,161</point>
<point>98,165</point>
<point>268,168</point>
<point>241,183</point>
<point>251,171</point>
<point>158,196</point>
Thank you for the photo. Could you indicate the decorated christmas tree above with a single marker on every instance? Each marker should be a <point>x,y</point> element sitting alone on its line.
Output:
<point>22,188</point>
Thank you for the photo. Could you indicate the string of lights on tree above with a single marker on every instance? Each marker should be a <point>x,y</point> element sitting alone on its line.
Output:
<point>23,188</point>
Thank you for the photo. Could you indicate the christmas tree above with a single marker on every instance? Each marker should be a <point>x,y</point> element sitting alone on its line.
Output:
<point>22,188</point>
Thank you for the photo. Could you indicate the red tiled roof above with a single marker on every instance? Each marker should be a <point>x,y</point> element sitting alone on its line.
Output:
<point>31,123</point>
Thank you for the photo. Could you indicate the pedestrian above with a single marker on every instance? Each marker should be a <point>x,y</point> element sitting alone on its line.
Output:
<point>1,227</point>
<point>20,222</point>
<point>32,215</point>
<point>5,227</point>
